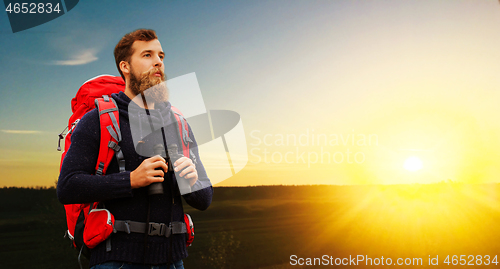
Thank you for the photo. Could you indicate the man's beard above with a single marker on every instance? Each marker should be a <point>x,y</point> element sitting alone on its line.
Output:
<point>153,88</point>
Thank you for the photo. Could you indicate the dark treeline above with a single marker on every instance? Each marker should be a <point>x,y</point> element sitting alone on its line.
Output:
<point>27,199</point>
<point>337,191</point>
<point>36,198</point>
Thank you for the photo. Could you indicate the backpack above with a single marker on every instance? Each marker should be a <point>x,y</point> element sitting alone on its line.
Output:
<point>95,93</point>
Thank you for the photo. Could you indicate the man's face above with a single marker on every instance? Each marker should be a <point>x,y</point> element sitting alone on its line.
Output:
<point>147,70</point>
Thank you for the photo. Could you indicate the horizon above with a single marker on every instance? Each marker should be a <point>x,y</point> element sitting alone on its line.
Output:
<point>443,182</point>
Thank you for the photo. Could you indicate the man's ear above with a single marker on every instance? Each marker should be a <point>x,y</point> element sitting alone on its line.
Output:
<point>125,68</point>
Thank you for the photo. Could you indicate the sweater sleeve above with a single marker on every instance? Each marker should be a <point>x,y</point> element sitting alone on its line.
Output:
<point>201,197</point>
<point>77,182</point>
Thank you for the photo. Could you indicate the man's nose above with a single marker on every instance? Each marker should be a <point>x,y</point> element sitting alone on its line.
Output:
<point>158,62</point>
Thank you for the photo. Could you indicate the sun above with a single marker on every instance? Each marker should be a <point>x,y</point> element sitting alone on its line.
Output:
<point>413,164</point>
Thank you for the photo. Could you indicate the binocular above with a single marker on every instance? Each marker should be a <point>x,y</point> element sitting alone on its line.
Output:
<point>171,156</point>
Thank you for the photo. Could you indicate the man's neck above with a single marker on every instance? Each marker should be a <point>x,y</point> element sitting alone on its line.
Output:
<point>141,101</point>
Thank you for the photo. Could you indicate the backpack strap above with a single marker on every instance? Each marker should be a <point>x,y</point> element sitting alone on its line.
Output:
<point>183,128</point>
<point>110,135</point>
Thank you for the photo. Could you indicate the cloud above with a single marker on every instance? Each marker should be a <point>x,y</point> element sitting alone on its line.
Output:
<point>84,57</point>
<point>21,132</point>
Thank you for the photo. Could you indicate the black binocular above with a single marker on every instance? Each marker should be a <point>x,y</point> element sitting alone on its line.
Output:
<point>171,155</point>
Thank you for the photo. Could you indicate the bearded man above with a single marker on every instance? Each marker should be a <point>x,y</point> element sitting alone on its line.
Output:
<point>139,59</point>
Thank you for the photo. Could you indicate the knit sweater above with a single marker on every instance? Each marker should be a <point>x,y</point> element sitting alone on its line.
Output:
<point>79,184</point>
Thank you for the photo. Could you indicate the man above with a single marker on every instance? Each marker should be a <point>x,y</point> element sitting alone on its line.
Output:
<point>139,58</point>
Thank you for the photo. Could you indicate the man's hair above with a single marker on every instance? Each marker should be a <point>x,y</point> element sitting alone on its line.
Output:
<point>123,50</point>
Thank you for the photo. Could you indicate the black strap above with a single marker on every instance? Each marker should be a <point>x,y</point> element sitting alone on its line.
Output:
<point>121,160</point>
<point>143,229</point>
<point>79,257</point>
<point>154,229</point>
<point>108,244</point>
<point>172,219</point>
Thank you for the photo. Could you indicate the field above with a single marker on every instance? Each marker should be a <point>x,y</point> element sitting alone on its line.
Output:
<point>262,227</point>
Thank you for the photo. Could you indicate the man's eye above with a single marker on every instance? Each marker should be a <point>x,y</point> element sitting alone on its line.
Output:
<point>147,55</point>
<point>161,57</point>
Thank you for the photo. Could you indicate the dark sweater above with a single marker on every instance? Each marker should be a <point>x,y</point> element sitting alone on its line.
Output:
<point>79,184</point>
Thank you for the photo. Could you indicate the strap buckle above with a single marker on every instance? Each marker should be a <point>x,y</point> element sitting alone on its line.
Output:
<point>156,229</point>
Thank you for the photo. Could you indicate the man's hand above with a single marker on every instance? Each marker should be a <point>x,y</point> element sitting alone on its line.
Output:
<point>189,171</point>
<point>146,174</point>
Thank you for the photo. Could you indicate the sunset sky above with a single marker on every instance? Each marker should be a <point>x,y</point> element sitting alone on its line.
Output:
<point>329,92</point>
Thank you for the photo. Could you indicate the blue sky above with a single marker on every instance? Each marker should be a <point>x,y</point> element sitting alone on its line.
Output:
<point>285,66</point>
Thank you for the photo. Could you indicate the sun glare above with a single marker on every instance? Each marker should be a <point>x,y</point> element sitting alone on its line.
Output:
<point>413,164</point>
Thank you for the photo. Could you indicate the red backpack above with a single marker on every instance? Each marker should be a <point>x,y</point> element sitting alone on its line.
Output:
<point>96,92</point>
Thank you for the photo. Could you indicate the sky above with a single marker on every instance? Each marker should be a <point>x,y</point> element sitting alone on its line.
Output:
<point>329,92</point>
